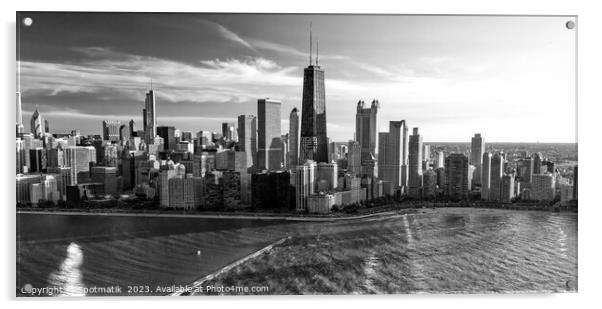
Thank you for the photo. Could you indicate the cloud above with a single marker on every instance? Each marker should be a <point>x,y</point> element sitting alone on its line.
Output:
<point>227,33</point>
<point>126,75</point>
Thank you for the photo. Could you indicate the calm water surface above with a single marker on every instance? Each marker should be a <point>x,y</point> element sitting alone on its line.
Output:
<point>443,250</point>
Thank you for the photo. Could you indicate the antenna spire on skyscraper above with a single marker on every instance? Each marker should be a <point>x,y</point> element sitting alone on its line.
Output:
<point>317,51</point>
<point>310,43</point>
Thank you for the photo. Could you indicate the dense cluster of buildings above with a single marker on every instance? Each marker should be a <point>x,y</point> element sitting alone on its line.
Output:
<point>251,164</point>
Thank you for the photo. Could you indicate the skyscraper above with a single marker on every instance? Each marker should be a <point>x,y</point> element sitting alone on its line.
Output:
<point>20,127</point>
<point>149,118</point>
<point>269,146</point>
<point>366,133</point>
<point>314,140</point>
<point>392,148</point>
<point>477,147</point>
<point>37,124</point>
<point>169,136</point>
<point>247,138</point>
<point>495,182</point>
<point>537,158</point>
<point>486,176</point>
<point>110,130</point>
<point>229,131</point>
<point>293,138</point>
<point>456,176</point>
<point>415,163</point>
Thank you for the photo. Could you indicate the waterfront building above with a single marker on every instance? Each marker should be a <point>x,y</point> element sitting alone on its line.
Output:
<point>328,173</point>
<point>63,179</point>
<point>354,158</point>
<point>45,190</point>
<point>149,118</point>
<point>214,191</point>
<point>457,176</point>
<point>107,176</point>
<point>507,190</point>
<point>566,194</point>
<point>24,183</point>
<point>429,184</point>
<point>542,187</point>
<point>271,190</point>
<point>486,176</point>
<point>232,197</point>
<point>415,164</point>
<point>477,148</point>
<point>314,137</point>
<point>495,180</point>
<point>392,154</point>
<point>300,180</point>
<point>269,146</point>
<point>320,203</point>
<point>293,137</point>
<point>110,130</point>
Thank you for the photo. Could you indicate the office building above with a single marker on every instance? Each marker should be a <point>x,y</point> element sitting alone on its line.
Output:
<point>269,146</point>
<point>507,190</point>
<point>314,140</point>
<point>392,154</point>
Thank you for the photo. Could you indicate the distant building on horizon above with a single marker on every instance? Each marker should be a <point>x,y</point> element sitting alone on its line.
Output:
<point>37,124</point>
<point>247,138</point>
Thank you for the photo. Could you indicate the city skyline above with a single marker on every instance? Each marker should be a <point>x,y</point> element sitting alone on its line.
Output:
<point>222,81</point>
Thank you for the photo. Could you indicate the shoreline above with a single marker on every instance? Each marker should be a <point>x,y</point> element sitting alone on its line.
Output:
<point>219,216</point>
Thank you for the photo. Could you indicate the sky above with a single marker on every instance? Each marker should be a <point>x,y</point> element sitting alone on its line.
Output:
<point>510,78</point>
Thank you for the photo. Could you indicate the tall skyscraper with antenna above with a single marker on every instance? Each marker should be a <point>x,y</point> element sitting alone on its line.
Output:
<point>149,120</point>
<point>314,140</point>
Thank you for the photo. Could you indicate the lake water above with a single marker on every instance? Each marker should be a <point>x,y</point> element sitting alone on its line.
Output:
<point>443,250</point>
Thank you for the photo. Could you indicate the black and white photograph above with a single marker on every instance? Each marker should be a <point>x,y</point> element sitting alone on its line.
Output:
<point>255,154</point>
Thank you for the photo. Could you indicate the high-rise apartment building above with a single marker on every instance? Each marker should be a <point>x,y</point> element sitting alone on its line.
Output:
<point>477,148</point>
<point>392,154</point>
